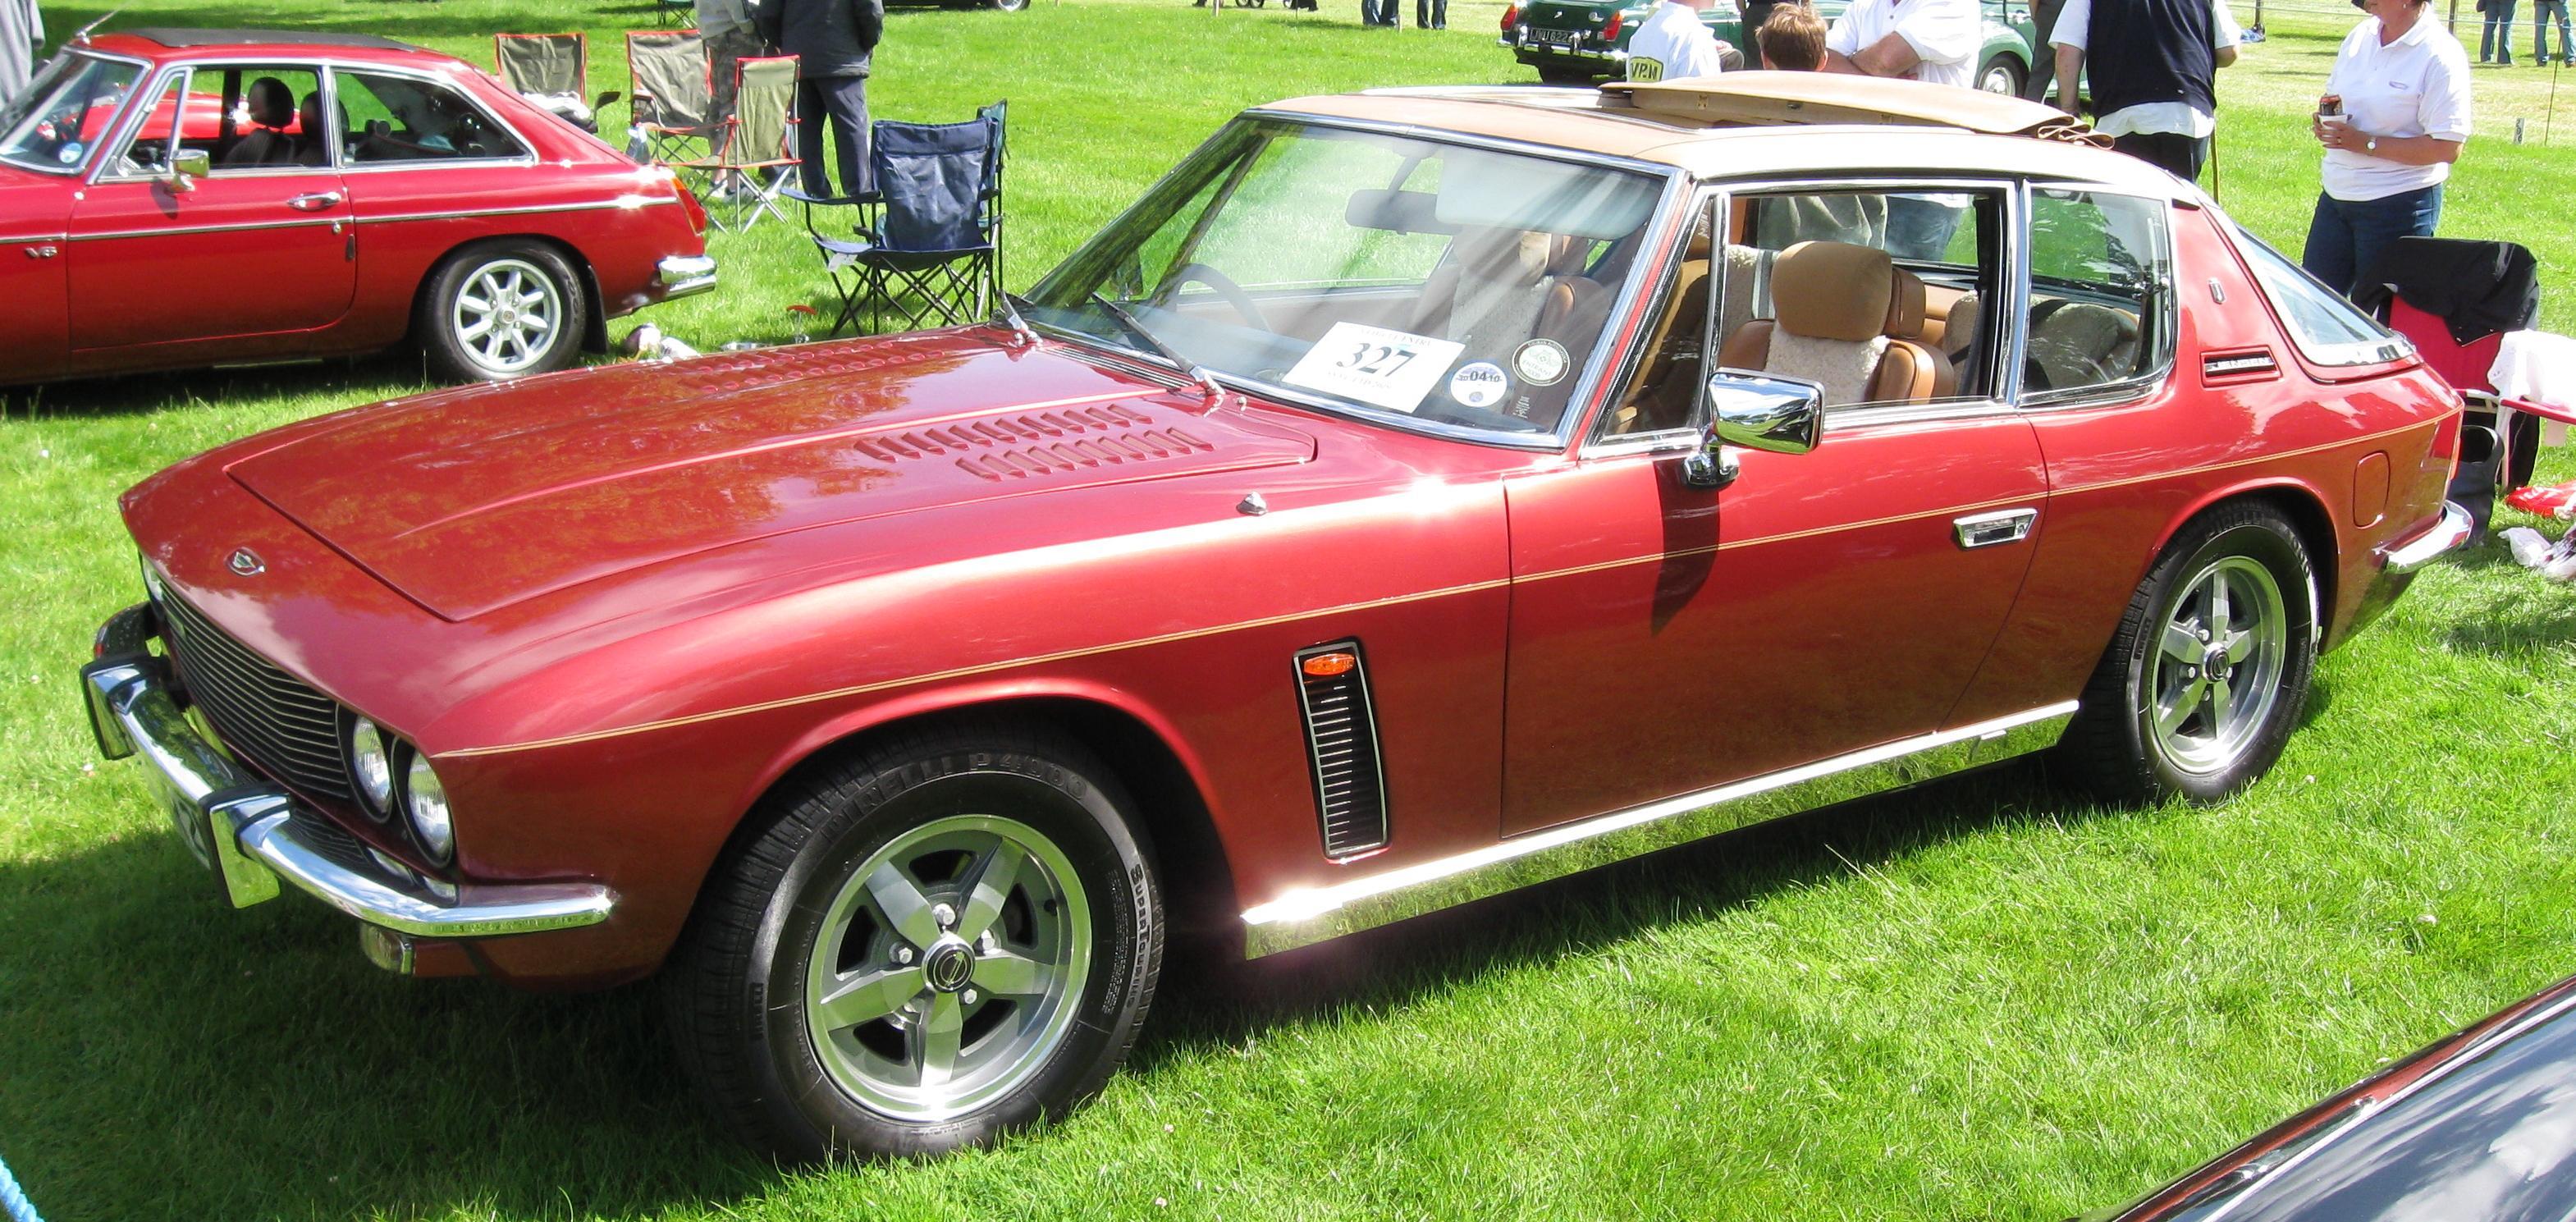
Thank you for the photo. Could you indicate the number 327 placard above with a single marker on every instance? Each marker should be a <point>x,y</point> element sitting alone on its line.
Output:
<point>1373,365</point>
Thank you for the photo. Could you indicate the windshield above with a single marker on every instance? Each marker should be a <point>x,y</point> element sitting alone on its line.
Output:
<point>65,111</point>
<point>1396,279</point>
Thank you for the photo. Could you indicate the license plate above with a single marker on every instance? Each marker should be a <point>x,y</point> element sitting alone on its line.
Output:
<point>1555,38</point>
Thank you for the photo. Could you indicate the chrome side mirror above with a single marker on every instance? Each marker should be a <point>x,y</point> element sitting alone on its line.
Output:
<point>186,167</point>
<point>1754,411</point>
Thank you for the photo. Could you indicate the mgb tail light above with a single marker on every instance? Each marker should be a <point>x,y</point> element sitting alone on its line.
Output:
<point>1610,32</point>
<point>1511,17</point>
<point>689,204</point>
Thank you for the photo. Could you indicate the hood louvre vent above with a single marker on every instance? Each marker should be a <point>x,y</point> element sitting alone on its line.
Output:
<point>1341,749</point>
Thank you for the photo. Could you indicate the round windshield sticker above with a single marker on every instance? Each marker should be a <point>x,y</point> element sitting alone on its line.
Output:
<point>1541,362</point>
<point>70,154</point>
<point>1479,384</point>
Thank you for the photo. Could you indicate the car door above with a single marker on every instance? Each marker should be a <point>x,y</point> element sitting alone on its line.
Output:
<point>33,208</point>
<point>249,258</point>
<point>1667,638</point>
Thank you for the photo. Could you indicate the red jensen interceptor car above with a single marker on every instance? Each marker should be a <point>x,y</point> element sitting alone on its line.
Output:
<point>1412,496</point>
<point>181,198</point>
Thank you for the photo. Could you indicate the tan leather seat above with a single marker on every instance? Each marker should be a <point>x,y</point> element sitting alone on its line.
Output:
<point>2078,343</point>
<point>1849,319</point>
<point>1501,287</point>
<point>1959,331</point>
<point>1668,380</point>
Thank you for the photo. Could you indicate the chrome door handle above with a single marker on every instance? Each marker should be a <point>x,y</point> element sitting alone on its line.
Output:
<point>315,202</point>
<point>1989,529</point>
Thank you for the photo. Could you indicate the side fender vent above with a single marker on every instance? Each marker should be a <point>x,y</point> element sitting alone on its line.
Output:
<point>1341,748</point>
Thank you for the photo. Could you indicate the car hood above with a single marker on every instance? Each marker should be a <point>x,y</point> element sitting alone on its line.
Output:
<point>471,500</point>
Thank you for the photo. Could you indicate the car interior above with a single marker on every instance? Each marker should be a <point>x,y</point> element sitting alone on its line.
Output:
<point>252,118</point>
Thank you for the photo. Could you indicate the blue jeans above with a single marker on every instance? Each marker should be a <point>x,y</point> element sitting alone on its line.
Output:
<point>2495,37</point>
<point>1919,228</point>
<point>2347,234</point>
<point>2540,11</point>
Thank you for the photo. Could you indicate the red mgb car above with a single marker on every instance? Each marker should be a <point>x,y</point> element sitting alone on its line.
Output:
<point>1412,496</point>
<point>177,198</point>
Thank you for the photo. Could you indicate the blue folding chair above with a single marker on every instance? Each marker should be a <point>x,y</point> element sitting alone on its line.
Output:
<point>925,246</point>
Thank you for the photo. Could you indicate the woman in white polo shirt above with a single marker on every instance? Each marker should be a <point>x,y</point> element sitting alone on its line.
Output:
<point>2403,85</point>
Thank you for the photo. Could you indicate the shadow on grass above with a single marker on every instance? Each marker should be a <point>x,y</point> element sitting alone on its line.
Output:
<point>282,1075</point>
<point>2508,609</point>
<point>348,382</point>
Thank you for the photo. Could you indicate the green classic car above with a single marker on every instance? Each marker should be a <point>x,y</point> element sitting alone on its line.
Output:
<point>1576,42</point>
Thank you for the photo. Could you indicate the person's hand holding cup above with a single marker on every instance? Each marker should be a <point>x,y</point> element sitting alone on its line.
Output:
<point>2330,122</point>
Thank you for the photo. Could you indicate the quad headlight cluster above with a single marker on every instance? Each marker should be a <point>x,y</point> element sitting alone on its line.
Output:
<point>391,777</point>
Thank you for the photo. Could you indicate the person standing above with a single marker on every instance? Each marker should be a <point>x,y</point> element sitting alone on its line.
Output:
<point>1750,16</point>
<point>833,42</point>
<point>2495,34</point>
<point>2541,12</point>
<point>725,30</point>
<point>2393,119</point>
<point>2044,17</point>
<point>22,30</point>
<point>2158,98</point>
<point>1431,14</point>
<point>1381,12</point>
<point>1673,44</point>
<point>1924,40</point>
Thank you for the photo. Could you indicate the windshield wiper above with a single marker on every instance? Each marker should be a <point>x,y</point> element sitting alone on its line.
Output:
<point>1011,303</point>
<point>1128,323</point>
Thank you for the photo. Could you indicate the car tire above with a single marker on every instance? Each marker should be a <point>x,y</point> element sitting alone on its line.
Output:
<point>498,310</point>
<point>1008,6</point>
<point>2001,75</point>
<point>850,944</point>
<point>2233,594</point>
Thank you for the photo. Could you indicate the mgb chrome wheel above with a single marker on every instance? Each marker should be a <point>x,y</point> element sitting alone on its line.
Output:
<point>508,315</point>
<point>2217,668</point>
<point>946,969</point>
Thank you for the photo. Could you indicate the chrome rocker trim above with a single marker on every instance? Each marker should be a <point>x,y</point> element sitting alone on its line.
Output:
<point>1307,916</point>
<point>2447,533</point>
<point>686,275</point>
<point>244,826</point>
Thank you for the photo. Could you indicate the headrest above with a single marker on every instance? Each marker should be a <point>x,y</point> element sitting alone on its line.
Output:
<point>2088,326</point>
<point>1960,328</point>
<point>1904,305</point>
<point>309,114</point>
<point>1568,257</point>
<point>270,102</point>
<point>1835,290</point>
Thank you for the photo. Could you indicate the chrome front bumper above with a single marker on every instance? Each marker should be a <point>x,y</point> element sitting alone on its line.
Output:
<point>684,275</point>
<point>1607,55</point>
<point>250,832</point>
<point>2447,533</point>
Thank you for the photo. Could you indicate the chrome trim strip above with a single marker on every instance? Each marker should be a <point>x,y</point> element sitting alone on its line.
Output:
<point>237,822</point>
<point>1309,915</point>
<point>234,227</point>
<point>622,202</point>
<point>2447,532</point>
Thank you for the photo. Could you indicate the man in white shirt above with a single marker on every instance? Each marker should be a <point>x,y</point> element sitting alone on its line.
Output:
<point>1672,43</point>
<point>2157,99</point>
<point>1924,40</point>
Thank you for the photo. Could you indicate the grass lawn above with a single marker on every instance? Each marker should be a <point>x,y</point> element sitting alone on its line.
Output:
<point>1985,999</point>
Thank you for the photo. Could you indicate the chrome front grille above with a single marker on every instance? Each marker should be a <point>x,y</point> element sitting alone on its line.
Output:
<point>268,717</point>
<point>1341,746</point>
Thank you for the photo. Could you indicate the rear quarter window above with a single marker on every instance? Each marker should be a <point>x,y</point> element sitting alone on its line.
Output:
<point>2327,329</point>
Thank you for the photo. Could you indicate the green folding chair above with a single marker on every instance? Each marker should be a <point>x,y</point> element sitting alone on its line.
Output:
<point>674,107</point>
<point>753,149</point>
<point>543,65</point>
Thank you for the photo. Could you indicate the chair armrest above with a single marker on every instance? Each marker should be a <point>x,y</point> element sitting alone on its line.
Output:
<point>801,197</point>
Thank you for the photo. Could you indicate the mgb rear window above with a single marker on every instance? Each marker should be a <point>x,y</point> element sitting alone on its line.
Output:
<point>2327,328</point>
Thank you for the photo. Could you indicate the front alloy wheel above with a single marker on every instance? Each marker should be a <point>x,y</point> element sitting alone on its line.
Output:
<point>919,945</point>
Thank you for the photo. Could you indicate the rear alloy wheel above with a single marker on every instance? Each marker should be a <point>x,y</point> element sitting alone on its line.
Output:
<point>930,943</point>
<point>2209,670</point>
<point>2001,75</point>
<point>501,310</point>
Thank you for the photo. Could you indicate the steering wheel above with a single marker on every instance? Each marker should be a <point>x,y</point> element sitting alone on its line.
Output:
<point>1223,284</point>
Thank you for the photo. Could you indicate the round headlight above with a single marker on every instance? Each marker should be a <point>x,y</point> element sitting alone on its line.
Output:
<point>425,800</point>
<point>371,764</point>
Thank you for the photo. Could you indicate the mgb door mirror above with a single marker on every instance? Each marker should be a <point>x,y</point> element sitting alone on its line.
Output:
<point>186,167</point>
<point>1755,411</point>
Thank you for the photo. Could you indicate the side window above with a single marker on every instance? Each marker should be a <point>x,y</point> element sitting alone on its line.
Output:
<point>2327,328</point>
<point>148,153</point>
<point>392,119</point>
<point>253,117</point>
<point>2101,292</point>
<point>1876,295</point>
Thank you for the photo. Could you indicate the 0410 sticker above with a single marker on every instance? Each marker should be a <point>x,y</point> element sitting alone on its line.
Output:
<point>1479,384</point>
<point>1373,365</point>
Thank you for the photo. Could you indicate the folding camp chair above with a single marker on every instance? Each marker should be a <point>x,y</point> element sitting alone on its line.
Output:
<point>753,149</point>
<point>2454,299</point>
<point>674,104</point>
<point>543,65</point>
<point>927,243</point>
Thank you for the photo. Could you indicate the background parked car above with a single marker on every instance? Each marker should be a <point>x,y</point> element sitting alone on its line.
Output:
<point>1575,42</point>
<point>210,197</point>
